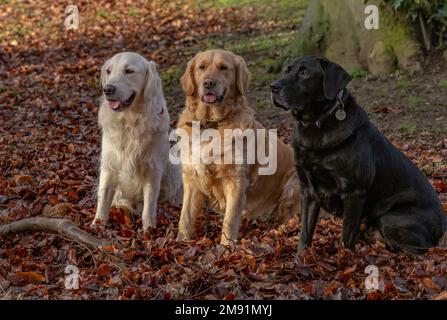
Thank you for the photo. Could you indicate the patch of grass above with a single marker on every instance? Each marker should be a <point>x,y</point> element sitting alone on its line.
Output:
<point>443,84</point>
<point>250,45</point>
<point>358,73</point>
<point>103,13</point>
<point>408,126</point>
<point>403,84</point>
<point>171,85</point>
<point>171,78</point>
<point>18,30</point>
<point>263,43</point>
<point>133,11</point>
<point>172,73</point>
<point>291,10</point>
<point>413,100</point>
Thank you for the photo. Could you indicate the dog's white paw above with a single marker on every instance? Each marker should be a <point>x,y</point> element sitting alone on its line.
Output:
<point>225,241</point>
<point>97,222</point>
<point>148,225</point>
<point>182,237</point>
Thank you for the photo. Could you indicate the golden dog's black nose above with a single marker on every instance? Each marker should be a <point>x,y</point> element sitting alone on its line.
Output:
<point>109,90</point>
<point>209,83</point>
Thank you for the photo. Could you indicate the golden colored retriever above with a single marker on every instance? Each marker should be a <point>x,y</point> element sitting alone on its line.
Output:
<point>215,83</point>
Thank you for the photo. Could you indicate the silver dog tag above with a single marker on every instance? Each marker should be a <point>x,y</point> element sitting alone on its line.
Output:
<point>340,115</point>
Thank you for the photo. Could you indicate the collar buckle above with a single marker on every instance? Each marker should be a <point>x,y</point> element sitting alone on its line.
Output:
<point>340,114</point>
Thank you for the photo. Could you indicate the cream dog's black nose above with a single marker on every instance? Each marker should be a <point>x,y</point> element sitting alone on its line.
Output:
<point>109,90</point>
<point>275,87</point>
<point>209,83</point>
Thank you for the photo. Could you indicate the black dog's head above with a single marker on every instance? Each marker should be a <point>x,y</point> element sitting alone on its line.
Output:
<point>309,83</point>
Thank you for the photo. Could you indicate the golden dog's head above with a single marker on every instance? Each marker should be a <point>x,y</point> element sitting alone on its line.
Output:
<point>215,76</point>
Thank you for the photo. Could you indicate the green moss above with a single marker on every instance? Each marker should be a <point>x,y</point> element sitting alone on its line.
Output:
<point>413,100</point>
<point>358,73</point>
<point>133,11</point>
<point>403,84</point>
<point>443,83</point>
<point>103,13</point>
<point>408,126</point>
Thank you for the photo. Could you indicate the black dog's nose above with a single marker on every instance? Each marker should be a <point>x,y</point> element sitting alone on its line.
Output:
<point>109,89</point>
<point>209,83</point>
<point>275,87</point>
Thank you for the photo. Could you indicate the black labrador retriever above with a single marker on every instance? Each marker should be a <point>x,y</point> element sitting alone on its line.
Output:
<point>348,168</point>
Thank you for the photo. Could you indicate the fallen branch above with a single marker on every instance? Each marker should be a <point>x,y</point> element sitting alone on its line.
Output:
<point>63,227</point>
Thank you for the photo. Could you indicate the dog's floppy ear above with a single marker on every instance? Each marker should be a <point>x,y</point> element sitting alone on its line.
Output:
<point>187,80</point>
<point>243,75</point>
<point>153,90</point>
<point>335,78</point>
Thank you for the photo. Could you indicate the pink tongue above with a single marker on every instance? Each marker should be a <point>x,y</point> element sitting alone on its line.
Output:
<point>114,104</point>
<point>209,98</point>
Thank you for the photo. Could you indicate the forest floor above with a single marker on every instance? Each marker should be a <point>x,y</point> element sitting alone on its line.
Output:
<point>49,153</point>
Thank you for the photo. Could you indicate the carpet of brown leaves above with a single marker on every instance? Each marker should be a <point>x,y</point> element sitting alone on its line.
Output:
<point>49,150</point>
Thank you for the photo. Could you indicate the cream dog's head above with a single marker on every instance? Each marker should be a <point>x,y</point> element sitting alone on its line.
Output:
<point>127,79</point>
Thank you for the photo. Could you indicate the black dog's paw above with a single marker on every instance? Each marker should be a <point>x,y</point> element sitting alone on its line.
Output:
<point>348,240</point>
<point>302,246</point>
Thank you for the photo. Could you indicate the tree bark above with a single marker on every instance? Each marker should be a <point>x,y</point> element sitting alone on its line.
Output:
<point>335,29</point>
<point>63,227</point>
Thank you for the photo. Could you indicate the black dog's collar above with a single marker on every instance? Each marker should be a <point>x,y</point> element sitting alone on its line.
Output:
<point>341,114</point>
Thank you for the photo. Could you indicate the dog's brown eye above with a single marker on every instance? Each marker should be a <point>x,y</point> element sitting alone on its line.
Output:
<point>108,71</point>
<point>128,71</point>
<point>303,73</point>
<point>202,66</point>
<point>223,67</point>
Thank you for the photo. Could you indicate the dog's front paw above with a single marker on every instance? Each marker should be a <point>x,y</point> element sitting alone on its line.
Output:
<point>149,224</point>
<point>348,240</point>
<point>302,246</point>
<point>182,237</point>
<point>149,231</point>
<point>96,222</point>
<point>225,241</point>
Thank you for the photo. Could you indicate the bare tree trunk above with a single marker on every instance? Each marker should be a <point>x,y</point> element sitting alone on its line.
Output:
<point>335,29</point>
<point>63,227</point>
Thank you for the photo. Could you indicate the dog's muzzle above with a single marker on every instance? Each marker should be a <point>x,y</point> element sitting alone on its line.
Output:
<point>212,98</point>
<point>117,104</point>
<point>276,102</point>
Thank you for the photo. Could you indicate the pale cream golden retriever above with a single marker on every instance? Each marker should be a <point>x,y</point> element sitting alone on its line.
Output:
<point>215,83</point>
<point>134,120</point>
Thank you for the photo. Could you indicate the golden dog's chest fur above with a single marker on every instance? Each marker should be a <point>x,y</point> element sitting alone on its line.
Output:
<point>269,197</point>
